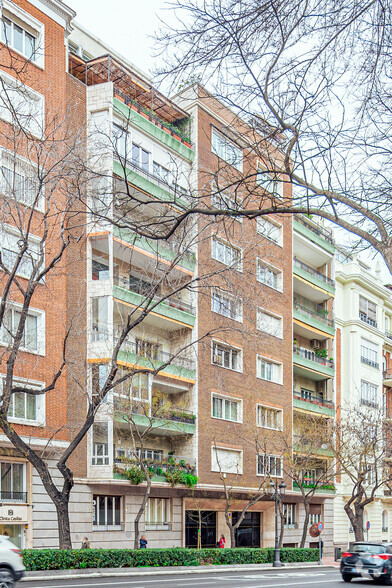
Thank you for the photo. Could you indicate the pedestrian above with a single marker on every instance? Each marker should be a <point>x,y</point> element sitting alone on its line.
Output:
<point>321,547</point>
<point>222,542</point>
<point>143,542</point>
<point>85,543</point>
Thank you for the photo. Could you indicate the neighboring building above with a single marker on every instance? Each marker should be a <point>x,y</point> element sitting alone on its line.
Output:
<point>313,368</point>
<point>363,315</point>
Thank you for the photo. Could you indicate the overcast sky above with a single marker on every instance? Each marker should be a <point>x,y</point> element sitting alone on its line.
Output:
<point>124,24</point>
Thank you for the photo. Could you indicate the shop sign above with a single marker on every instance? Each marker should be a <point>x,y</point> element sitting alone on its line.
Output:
<point>13,514</point>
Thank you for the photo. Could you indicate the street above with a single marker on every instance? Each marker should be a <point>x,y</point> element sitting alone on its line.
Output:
<point>327,577</point>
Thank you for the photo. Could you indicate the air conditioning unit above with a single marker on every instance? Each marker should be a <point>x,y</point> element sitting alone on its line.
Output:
<point>218,359</point>
<point>315,344</point>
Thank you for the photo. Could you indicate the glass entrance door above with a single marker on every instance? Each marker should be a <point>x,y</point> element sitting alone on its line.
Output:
<point>207,523</point>
<point>248,533</point>
<point>14,532</point>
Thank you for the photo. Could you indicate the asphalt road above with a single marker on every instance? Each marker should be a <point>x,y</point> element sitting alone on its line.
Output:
<point>330,578</point>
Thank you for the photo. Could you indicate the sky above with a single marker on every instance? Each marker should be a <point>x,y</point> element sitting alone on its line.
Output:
<point>127,27</point>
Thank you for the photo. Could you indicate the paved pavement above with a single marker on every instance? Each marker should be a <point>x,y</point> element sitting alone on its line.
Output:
<point>330,578</point>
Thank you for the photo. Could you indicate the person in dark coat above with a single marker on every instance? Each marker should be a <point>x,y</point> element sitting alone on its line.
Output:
<point>143,542</point>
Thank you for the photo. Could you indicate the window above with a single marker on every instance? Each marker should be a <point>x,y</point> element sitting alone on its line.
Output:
<point>226,305</point>
<point>100,318</point>
<point>269,275</point>
<point>367,311</point>
<point>107,513</point>
<point>225,408</point>
<point>226,201</point>
<point>228,461</point>
<point>269,465</point>
<point>269,418</point>
<point>21,106</point>
<point>226,253</point>
<point>119,141</point>
<point>370,476</point>
<point>100,449</point>
<point>19,181</point>
<point>226,150</point>
<point>140,157</point>
<point>99,373</point>
<point>23,39</point>
<point>13,483</point>
<point>384,523</point>
<point>290,516</point>
<point>158,515</point>
<point>270,230</point>
<point>314,517</point>
<point>26,408</point>
<point>269,370</point>
<point>161,172</point>
<point>154,454</point>
<point>10,247</point>
<point>33,338</point>
<point>146,348</point>
<point>227,357</point>
<point>369,393</point>
<point>271,324</point>
<point>139,387</point>
<point>369,353</point>
<point>271,183</point>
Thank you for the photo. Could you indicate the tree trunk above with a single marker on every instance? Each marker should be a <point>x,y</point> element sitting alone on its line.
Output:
<point>306,524</point>
<point>358,525</point>
<point>62,508</point>
<point>141,511</point>
<point>232,535</point>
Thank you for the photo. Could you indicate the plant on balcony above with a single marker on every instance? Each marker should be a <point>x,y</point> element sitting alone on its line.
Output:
<point>321,353</point>
<point>180,477</point>
<point>134,474</point>
<point>324,312</point>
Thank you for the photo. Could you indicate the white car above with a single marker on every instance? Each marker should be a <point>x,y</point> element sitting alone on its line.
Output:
<point>11,563</point>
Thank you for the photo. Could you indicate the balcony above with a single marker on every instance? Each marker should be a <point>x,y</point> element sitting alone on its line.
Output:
<point>387,377</point>
<point>173,309</point>
<point>388,335</point>
<point>161,249</point>
<point>8,496</point>
<point>178,366</point>
<point>159,465</point>
<point>305,272</point>
<point>176,422</point>
<point>319,235</point>
<point>305,312</point>
<point>370,362</point>
<point>314,404</point>
<point>310,362</point>
<point>366,319</point>
<point>322,488</point>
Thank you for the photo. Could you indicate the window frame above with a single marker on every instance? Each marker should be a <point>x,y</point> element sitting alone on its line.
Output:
<point>107,527</point>
<point>229,298</point>
<point>14,12</point>
<point>230,348</point>
<point>166,505</point>
<point>273,409</point>
<point>366,399</point>
<point>273,222</point>
<point>235,265</point>
<point>273,315</point>
<point>217,135</point>
<point>369,355</point>
<point>41,328</point>
<point>277,190</point>
<point>292,516</point>
<point>229,449</point>
<point>20,88</point>
<point>40,402</point>
<point>18,165</point>
<point>275,270</point>
<point>272,362</point>
<point>32,239</point>
<point>269,456</point>
<point>231,400</point>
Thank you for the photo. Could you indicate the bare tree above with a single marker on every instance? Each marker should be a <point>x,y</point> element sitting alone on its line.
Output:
<point>312,81</point>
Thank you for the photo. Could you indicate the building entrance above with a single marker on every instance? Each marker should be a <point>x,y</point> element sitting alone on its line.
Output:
<point>14,532</point>
<point>207,525</point>
<point>248,533</point>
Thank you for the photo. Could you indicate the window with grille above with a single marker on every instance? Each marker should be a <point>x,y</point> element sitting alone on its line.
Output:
<point>269,275</point>
<point>158,514</point>
<point>226,305</point>
<point>367,311</point>
<point>269,465</point>
<point>227,357</point>
<point>225,408</point>
<point>269,370</point>
<point>290,516</point>
<point>226,253</point>
<point>369,353</point>
<point>13,482</point>
<point>269,418</point>
<point>107,513</point>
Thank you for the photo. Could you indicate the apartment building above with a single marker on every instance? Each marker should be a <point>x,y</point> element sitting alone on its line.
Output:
<point>363,332</point>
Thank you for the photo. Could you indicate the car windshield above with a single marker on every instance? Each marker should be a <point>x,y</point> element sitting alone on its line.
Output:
<point>367,549</point>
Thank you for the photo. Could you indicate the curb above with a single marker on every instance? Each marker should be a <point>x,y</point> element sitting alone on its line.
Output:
<point>180,570</point>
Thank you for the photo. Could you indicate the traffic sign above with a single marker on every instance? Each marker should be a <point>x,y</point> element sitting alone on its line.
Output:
<point>368,525</point>
<point>320,527</point>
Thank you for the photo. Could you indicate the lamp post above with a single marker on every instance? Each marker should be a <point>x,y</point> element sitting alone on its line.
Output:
<point>276,492</point>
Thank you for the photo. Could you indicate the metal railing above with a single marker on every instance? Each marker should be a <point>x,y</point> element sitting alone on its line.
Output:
<point>313,399</point>
<point>317,230</point>
<point>8,496</point>
<point>145,290</point>
<point>311,313</point>
<point>387,375</point>
<point>161,463</point>
<point>174,189</point>
<point>369,362</point>
<point>309,354</point>
<point>388,334</point>
<point>310,270</point>
<point>364,318</point>
<point>159,357</point>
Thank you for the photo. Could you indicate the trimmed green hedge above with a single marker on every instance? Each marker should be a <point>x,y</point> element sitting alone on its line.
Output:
<point>62,559</point>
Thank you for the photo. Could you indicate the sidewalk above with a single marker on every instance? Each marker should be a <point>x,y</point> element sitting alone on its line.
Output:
<point>330,562</point>
<point>111,572</point>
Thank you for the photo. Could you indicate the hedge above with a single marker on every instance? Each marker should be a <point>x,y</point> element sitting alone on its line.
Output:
<point>61,559</point>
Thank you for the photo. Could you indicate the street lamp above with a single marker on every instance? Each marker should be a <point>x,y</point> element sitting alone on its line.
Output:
<point>277,493</point>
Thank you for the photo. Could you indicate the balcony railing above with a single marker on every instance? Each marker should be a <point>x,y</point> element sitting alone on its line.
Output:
<point>364,318</point>
<point>388,334</point>
<point>144,289</point>
<point>320,231</point>
<point>309,354</point>
<point>387,375</point>
<point>369,362</point>
<point>160,464</point>
<point>311,313</point>
<point>174,415</point>
<point>159,356</point>
<point>310,270</point>
<point>13,496</point>
<point>314,399</point>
